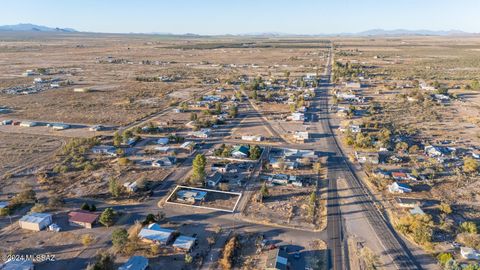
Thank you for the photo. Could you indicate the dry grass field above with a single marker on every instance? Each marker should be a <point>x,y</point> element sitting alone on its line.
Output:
<point>109,65</point>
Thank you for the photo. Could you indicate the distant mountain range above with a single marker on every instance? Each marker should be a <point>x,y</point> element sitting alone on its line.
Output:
<point>27,27</point>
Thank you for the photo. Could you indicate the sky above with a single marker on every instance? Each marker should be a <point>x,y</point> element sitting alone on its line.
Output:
<point>213,17</point>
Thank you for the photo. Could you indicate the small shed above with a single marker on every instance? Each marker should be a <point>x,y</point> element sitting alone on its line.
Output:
<point>184,243</point>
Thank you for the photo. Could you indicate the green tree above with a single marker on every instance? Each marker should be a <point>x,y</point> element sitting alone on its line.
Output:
<point>470,165</point>
<point>264,191</point>
<point>103,261</point>
<point>183,106</point>
<point>119,238</point>
<point>106,218</point>
<point>4,211</point>
<point>468,227</point>
<point>218,108</point>
<point>117,139</point>
<point>199,164</point>
<point>233,111</point>
<point>193,116</point>
<point>255,152</point>
<point>254,95</point>
<point>85,207</point>
<point>114,187</point>
<point>93,208</point>
<point>150,218</point>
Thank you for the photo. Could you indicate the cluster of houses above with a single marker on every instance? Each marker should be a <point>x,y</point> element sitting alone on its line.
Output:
<point>39,85</point>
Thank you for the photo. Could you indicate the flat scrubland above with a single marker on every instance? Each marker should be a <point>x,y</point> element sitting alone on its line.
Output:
<point>111,66</point>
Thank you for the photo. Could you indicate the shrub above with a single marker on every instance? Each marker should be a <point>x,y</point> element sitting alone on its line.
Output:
<point>443,258</point>
<point>119,239</point>
<point>225,262</point>
<point>468,227</point>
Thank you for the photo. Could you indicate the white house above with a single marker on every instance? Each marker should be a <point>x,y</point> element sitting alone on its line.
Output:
<point>187,145</point>
<point>353,85</point>
<point>105,150</point>
<point>399,188</point>
<point>203,133</point>
<point>469,253</point>
<point>155,234</point>
<point>298,116</point>
<point>163,141</point>
<point>214,179</point>
<point>164,162</point>
<point>131,186</point>
<point>301,136</point>
<point>252,138</point>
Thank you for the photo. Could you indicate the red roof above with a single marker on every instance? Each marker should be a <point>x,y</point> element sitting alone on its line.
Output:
<point>84,217</point>
<point>399,174</point>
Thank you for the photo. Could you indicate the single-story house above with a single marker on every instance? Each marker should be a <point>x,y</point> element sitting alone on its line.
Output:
<point>131,186</point>
<point>252,138</point>
<point>417,211</point>
<point>220,167</point>
<point>367,157</point>
<point>353,85</point>
<point>436,151</point>
<point>83,218</point>
<point>298,116</point>
<point>163,149</point>
<point>282,179</point>
<point>240,151</point>
<point>301,136</point>
<point>191,196</point>
<point>214,179</point>
<point>277,259</point>
<point>28,124</point>
<point>399,188</point>
<point>469,253</point>
<point>164,162</point>
<point>188,145</point>
<point>277,163</point>
<point>381,174</point>
<point>105,150</point>
<point>153,233</point>
<point>184,243</point>
<point>35,221</point>
<point>407,202</point>
<point>163,141</point>
<point>399,176</point>
<point>17,265</point>
<point>203,133</point>
<point>135,263</point>
<point>297,154</point>
<point>60,126</point>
